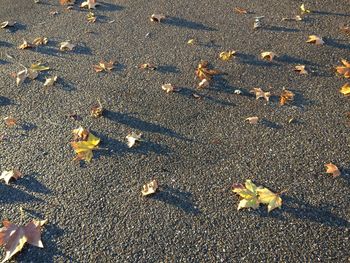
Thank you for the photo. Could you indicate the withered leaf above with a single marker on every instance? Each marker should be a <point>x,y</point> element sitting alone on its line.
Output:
<point>67,2</point>
<point>345,29</point>
<point>149,188</point>
<point>203,72</point>
<point>147,66</point>
<point>96,111</point>
<point>25,45</point>
<point>50,81</point>
<point>203,84</point>
<point>259,93</point>
<point>301,69</point>
<point>313,39</point>
<point>6,24</point>
<point>7,175</point>
<point>304,10</point>
<point>40,41</point>
<point>268,55</point>
<point>90,4</point>
<point>240,10</point>
<point>252,120</point>
<point>286,96</point>
<point>91,18</point>
<point>66,46</point>
<point>332,169</point>
<point>345,69</point>
<point>191,41</point>
<point>9,121</point>
<point>38,67</point>
<point>345,89</point>
<point>13,237</point>
<point>168,88</point>
<point>133,138</point>
<point>104,66</point>
<point>227,55</point>
<point>157,18</point>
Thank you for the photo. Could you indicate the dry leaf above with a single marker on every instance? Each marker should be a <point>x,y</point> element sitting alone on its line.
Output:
<point>268,55</point>
<point>344,70</point>
<point>202,71</point>
<point>168,88</point>
<point>40,41</point>
<point>80,134</point>
<point>240,10</point>
<point>345,29</point>
<point>304,10</point>
<point>25,45</point>
<point>226,55</point>
<point>252,120</point>
<point>248,194</point>
<point>67,2</point>
<point>6,24</point>
<point>90,4</point>
<point>9,121</point>
<point>196,96</point>
<point>238,92</point>
<point>53,12</point>
<point>84,148</point>
<point>96,110</point>
<point>301,69</point>
<point>149,188</point>
<point>203,84</point>
<point>295,18</point>
<point>345,89</point>
<point>286,96</point>
<point>258,22</point>
<point>266,196</point>
<point>66,46</point>
<point>147,66</point>
<point>191,41</point>
<point>332,169</point>
<point>38,67</point>
<point>259,93</point>
<point>7,175</point>
<point>50,81</point>
<point>91,18</point>
<point>13,237</point>
<point>313,39</point>
<point>133,139</point>
<point>21,76</point>
<point>157,18</point>
<point>104,66</point>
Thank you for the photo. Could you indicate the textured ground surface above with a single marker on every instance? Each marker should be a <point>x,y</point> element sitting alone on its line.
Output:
<point>195,148</point>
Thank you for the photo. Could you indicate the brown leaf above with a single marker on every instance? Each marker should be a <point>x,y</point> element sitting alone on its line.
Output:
<point>147,66</point>
<point>40,41</point>
<point>301,69</point>
<point>157,18</point>
<point>332,169</point>
<point>149,188</point>
<point>240,10</point>
<point>9,121</point>
<point>344,70</point>
<point>313,39</point>
<point>345,29</point>
<point>96,111</point>
<point>259,93</point>
<point>104,66</point>
<point>13,237</point>
<point>80,134</point>
<point>67,2</point>
<point>203,72</point>
<point>66,46</point>
<point>25,45</point>
<point>7,175</point>
<point>286,96</point>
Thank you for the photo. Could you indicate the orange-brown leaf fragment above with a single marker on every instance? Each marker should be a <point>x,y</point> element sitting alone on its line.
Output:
<point>96,111</point>
<point>13,237</point>
<point>7,175</point>
<point>25,45</point>
<point>345,89</point>
<point>345,69</point>
<point>67,2</point>
<point>286,96</point>
<point>10,122</point>
<point>332,169</point>
<point>203,72</point>
<point>313,39</point>
<point>149,188</point>
<point>104,66</point>
<point>240,10</point>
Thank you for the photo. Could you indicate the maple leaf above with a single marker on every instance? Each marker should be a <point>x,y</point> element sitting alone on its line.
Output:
<point>259,93</point>
<point>202,71</point>
<point>66,46</point>
<point>301,69</point>
<point>25,45</point>
<point>345,69</point>
<point>13,237</point>
<point>104,66</point>
<point>313,39</point>
<point>332,169</point>
<point>133,138</point>
<point>252,120</point>
<point>227,55</point>
<point>86,145</point>
<point>90,4</point>
<point>149,188</point>
<point>6,24</point>
<point>157,18</point>
<point>286,96</point>
<point>268,55</point>
<point>345,89</point>
<point>248,193</point>
<point>7,175</point>
<point>272,200</point>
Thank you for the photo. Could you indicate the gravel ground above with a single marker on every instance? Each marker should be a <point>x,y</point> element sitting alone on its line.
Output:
<point>195,148</point>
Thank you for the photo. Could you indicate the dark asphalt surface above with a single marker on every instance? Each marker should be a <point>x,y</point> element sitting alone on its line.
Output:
<point>196,149</point>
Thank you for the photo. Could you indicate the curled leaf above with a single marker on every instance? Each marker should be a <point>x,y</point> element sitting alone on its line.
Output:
<point>133,138</point>
<point>259,93</point>
<point>252,120</point>
<point>300,69</point>
<point>147,66</point>
<point>38,67</point>
<point>91,18</point>
<point>240,10</point>
<point>157,18</point>
<point>40,41</point>
<point>191,41</point>
<point>149,188</point>
<point>25,45</point>
<point>90,4</point>
<point>203,72</point>
<point>203,84</point>
<point>332,169</point>
<point>313,39</point>
<point>168,88</point>
<point>7,175</point>
<point>66,46</point>
<point>104,66</point>
<point>50,81</point>
<point>6,24</point>
<point>286,96</point>
<point>227,55</point>
<point>304,10</point>
<point>96,111</point>
<point>268,55</point>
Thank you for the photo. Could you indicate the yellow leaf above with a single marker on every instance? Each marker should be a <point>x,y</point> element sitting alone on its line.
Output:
<point>286,96</point>
<point>304,10</point>
<point>226,55</point>
<point>248,192</point>
<point>271,199</point>
<point>344,70</point>
<point>83,149</point>
<point>313,39</point>
<point>191,41</point>
<point>38,67</point>
<point>345,89</point>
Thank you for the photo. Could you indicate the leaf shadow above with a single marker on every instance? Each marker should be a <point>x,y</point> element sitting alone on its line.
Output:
<point>16,27</point>
<point>329,13</point>
<point>181,22</point>
<point>65,85</point>
<point>138,124</point>
<point>254,61</point>
<point>280,29</point>
<point>10,194</point>
<point>33,185</point>
<point>301,210</point>
<point>108,7</point>
<point>5,44</point>
<point>4,101</point>
<point>294,60</point>
<point>168,69</point>
<point>178,198</point>
<point>270,124</point>
<point>336,43</point>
